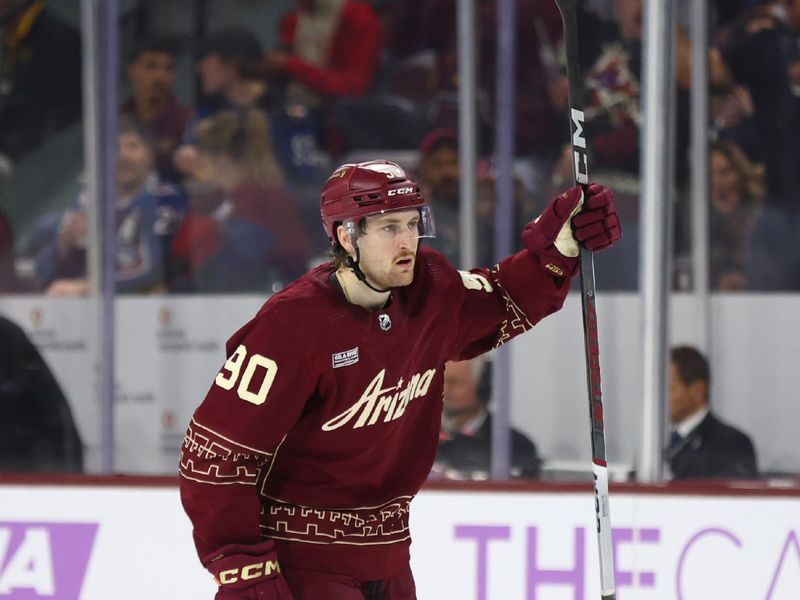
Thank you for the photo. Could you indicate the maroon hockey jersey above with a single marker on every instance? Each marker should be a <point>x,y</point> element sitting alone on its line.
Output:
<point>324,421</point>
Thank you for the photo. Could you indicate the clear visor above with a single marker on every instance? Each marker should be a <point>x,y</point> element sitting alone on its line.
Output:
<point>416,222</point>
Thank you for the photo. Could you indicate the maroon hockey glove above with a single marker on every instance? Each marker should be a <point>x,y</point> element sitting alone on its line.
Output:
<point>248,573</point>
<point>554,236</point>
<point>540,235</point>
<point>597,225</point>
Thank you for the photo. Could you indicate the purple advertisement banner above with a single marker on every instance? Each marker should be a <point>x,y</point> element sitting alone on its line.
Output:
<point>44,560</point>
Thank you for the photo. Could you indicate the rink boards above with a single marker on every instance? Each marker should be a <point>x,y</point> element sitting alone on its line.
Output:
<point>130,541</point>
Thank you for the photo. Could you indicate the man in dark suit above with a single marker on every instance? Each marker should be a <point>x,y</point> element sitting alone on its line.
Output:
<point>702,446</point>
<point>465,438</point>
<point>37,431</point>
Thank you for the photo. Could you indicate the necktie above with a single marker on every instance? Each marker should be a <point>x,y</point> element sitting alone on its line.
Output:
<point>674,439</point>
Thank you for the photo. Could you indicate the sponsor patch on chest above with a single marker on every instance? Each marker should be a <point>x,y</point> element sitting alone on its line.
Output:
<point>345,358</point>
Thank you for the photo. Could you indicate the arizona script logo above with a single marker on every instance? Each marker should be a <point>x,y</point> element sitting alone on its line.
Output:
<point>377,400</point>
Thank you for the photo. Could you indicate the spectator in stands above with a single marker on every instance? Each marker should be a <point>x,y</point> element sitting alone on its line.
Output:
<point>328,49</point>
<point>148,213</point>
<point>37,431</point>
<point>439,174</point>
<point>465,440</point>
<point>254,238</point>
<point>230,66</point>
<point>232,76</point>
<point>702,446</point>
<point>487,212</point>
<point>40,76</point>
<point>422,28</point>
<point>763,55</point>
<point>151,72</point>
<point>736,196</point>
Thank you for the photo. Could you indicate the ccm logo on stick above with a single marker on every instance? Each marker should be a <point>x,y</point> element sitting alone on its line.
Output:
<point>399,191</point>
<point>579,147</point>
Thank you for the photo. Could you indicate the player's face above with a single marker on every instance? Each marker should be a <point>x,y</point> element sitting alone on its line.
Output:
<point>388,248</point>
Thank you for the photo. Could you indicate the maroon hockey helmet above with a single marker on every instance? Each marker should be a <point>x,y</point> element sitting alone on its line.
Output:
<point>356,191</point>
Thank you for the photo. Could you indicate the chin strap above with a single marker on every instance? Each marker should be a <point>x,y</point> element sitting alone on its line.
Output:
<point>353,266</point>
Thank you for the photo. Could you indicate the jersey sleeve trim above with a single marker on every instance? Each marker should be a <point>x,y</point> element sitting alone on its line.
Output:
<point>227,439</point>
<point>516,320</point>
<point>213,459</point>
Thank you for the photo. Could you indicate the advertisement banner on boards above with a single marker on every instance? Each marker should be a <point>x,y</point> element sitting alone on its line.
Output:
<point>96,543</point>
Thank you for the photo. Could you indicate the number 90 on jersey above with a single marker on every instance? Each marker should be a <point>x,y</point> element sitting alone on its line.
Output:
<point>256,368</point>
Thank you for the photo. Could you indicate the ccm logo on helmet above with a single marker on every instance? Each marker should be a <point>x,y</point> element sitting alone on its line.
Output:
<point>398,191</point>
<point>254,571</point>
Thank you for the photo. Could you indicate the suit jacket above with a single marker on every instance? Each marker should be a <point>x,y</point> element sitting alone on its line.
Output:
<point>713,449</point>
<point>37,431</point>
<point>469,456</point>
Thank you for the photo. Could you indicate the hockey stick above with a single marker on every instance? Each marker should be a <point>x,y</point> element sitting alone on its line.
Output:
<point>591,339</point>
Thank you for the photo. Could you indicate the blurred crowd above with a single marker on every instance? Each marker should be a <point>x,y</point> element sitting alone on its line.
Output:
<point>216,189</point>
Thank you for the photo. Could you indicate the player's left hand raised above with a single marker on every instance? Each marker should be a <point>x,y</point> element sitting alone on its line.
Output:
<point>555,236</point>
<point>597,226</point>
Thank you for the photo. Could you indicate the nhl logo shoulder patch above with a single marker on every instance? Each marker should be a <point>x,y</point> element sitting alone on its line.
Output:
<point>384,322</point>
<point>345,358</point>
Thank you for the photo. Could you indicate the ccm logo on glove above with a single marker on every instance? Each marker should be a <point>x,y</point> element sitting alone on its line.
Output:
<point>248,572</point>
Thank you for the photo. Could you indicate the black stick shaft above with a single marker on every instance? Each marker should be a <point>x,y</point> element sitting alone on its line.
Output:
<point>591,338</point>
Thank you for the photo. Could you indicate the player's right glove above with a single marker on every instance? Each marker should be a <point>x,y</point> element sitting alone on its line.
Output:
<point>248,573</point>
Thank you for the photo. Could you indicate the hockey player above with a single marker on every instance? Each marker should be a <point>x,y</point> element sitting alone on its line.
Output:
<point>298,468</point>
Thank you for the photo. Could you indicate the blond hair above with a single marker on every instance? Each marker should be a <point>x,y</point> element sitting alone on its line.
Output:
<point>246,138</point>
<point>751,175</point>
